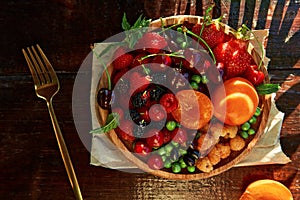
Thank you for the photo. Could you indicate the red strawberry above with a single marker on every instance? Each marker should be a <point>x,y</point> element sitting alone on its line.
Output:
<point>152,42</point>
<point>125,130</point>
<point>121,59</point>
<point>253,75</point>
<point>211,34</point>
<point>139,82</point>
<point>235,57</point>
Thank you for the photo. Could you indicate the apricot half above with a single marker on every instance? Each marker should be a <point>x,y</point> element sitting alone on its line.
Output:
<point>266,190</point>
<point>235,102</point>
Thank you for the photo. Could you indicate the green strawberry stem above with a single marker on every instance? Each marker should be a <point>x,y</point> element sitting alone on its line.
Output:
<point>104,65</point>
<point>112,122</point>
<point>203,41</point>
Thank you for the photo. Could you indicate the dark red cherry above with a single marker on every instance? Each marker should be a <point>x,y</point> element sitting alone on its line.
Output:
<point>104,98</point>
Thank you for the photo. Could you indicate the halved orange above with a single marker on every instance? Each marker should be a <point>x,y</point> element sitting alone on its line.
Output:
<point>194,109</point>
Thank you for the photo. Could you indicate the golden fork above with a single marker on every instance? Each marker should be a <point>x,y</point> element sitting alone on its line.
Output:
<point>46,85</point>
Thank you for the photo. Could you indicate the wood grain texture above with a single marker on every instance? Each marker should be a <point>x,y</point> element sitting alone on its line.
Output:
<point>30,164</point>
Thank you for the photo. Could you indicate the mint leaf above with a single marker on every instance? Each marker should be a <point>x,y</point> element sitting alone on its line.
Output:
<point>267,88</point>
<point>112,122</point>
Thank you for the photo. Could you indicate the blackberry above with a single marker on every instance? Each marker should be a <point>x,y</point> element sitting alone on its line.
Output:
<point>156,93</point>
<point>135,115</point>
<point>139,99</point>
<point>138,118</point>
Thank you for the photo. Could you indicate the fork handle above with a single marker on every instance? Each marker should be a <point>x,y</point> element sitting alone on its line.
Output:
<point>64,152</point>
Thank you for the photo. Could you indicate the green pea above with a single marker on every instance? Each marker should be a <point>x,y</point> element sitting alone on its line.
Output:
<point>164,158</point>
<point>168,164</point>
<point>184,45</point>
<point>183,165</point>
<point>252,120</point>
<point>204,79</point>
<point>179,39</point>
<point>246,126</point>
<point>175,144</point>
<point>176,168</point>
<point>251,131</point>
<point>168,148</point>
<point>196,78</point>
<point>244,134</point>
<point>191,169</point>
<point>257,112</point>
<point>194,85</point>
<point>161,151</point>
<point>171,125</point>
<point>182,152</point>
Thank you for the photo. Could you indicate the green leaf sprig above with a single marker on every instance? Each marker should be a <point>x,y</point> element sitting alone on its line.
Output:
<point>112,122</point>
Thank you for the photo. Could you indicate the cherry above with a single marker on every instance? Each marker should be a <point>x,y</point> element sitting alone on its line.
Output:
<point>169,102</point>
<point>155,162</point>
<point>157,112</point>
<point>105,98</point>
<point>142,148</point>
<point>155,138</point>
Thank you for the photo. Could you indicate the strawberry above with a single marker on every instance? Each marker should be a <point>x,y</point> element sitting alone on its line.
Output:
<point>211,34</point>
<point>152,42</point>
<point>235,57</point>
<point>139,82</point>
<point>255,76</point>
<point>125,130</point>
<point>121,59</point>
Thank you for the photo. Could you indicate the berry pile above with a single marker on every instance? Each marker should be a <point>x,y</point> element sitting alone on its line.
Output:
<point>148,76</point>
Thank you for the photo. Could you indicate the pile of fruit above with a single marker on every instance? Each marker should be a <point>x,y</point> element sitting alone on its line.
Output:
<point>186,96</point>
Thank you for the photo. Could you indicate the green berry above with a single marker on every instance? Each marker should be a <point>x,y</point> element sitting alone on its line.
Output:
<point>257,112</point>
<point>251,131</point>
<point>191,169</point>
<point>252,120</point>
<point>194,85</point>
<point>176,168</point>
<point>196,78</point>
<point>171,125</point>
<point>244,134</point>
<point>182,164</point>
<point>246,126</point>
<point>179,39</point>
<point>204,79</point>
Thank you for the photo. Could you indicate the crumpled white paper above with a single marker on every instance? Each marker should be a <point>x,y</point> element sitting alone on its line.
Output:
<point>267,150</point>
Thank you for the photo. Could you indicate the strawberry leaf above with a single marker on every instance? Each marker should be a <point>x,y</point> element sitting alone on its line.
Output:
<point>125,24</point>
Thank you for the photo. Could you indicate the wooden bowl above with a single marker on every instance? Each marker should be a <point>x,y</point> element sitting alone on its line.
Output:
<point>235,158</point>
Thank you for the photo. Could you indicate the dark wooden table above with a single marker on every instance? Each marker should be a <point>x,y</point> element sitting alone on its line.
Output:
<point>30,163</point>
